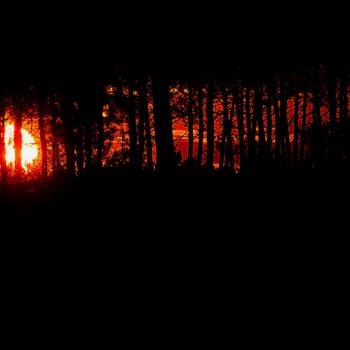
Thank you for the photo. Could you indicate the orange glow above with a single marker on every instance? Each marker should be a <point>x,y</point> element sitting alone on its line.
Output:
<point>29,148</point>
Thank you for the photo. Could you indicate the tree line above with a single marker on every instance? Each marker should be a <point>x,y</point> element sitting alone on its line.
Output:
<point>245,119</point>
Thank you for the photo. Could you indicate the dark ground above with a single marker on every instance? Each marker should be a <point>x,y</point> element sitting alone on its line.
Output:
<point>191,259</point>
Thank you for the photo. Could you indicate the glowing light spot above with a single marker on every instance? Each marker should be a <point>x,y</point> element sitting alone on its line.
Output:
<point>29,148</point>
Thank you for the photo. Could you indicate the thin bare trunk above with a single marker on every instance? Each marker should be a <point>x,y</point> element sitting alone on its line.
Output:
<point>210,125</point>
<point>225,127</point>
<point>80,149</point>
<point>284,121</point>
<point>240,116</point>
<point>332,101</point>
<point>229,161</point>
<point>296,128</point>
<point>190,126</point>
<point>3,164</point>
<point>100,140</point>
<point>18,136</point>
<point>303,128</point>
<point>258,116</point>
<point>132,128</point>
<point>141,125</point>
<point>163,125</point>
<point>54,154</point>
<point>269,124</point>
<point>251,140</point>
<point>201,127</point>
<point>43,142</point>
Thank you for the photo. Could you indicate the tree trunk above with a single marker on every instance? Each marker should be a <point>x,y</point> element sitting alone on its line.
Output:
<point>210,125</point>
<point>332,101</point>
<point>258,116</point>
<point>201,127</point>
<point>240,116</point>
<point>88,145</point>
<point>18,136</point>
<point>269,124</point>
<point>54,154</point>
<point>296,128</point>
<point>316,111</point>
<point>190,126</point>
<point>225,127</point>
<point>279,149</point>
<point>141,124</point>
<point>229,161</point>
<point>317,120</point>
<point>166,161</point>
<point>251,140</point>
<point>344,112</point>
<point>67,116</point>
<point>284,120</point>
<point>303,128</point>
<point>146,117</point>
<point>100,139</point>
<point>132,128</point>
<point>80,149</point>
<point>3,164</point>
<point>344,108</point>
<point>43,142</point>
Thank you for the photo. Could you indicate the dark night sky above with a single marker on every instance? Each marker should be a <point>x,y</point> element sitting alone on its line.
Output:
<point>174,38</point>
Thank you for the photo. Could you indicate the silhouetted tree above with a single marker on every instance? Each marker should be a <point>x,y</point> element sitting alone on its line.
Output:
<point>201,126</point>
<point>296,127</point>
<point>238,95</point>
<point>18,134</point>
<point>132,128</point>
<point>210,124</point>
<point>43,142</point>
<point>3,165</point>
<point>145,125</point>
<point>163,124</point>
<point>190,125</point>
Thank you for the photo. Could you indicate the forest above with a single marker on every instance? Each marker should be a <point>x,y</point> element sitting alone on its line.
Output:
<point>71,122</point>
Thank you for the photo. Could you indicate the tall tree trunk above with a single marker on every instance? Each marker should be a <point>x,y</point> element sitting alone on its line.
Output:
<point>225,127</point>
<point>332,101</point>
<point>344,100</point>
<point>303,128</point>
<point>190,126</point>
<point>80,149</point>
<point>251,140</point>
<point>279,149</point>
<point>269,123</point>
<point>18,136</point>
<point>88,145</point>
<point>238,92</point>
<point>132,128</point>
<point>144,114</point>
<point>163,125</point>
<point>296,128</point>
<point>344,112</point>
<point>43,143</point>
<point>100,139</point>
<point>141,124</point>
<point>3,164</point>
<point>201,127</point>
<point>54,154</point>
<point>284,120</point>
<point>258,115</point>
<point>229,161</point>
<point>67,116</point>
<point>210,125</point>
<point>317,120</point>
<point>316,111</point>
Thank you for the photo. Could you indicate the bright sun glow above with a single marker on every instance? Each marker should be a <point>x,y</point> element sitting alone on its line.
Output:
<point>29,148</point>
